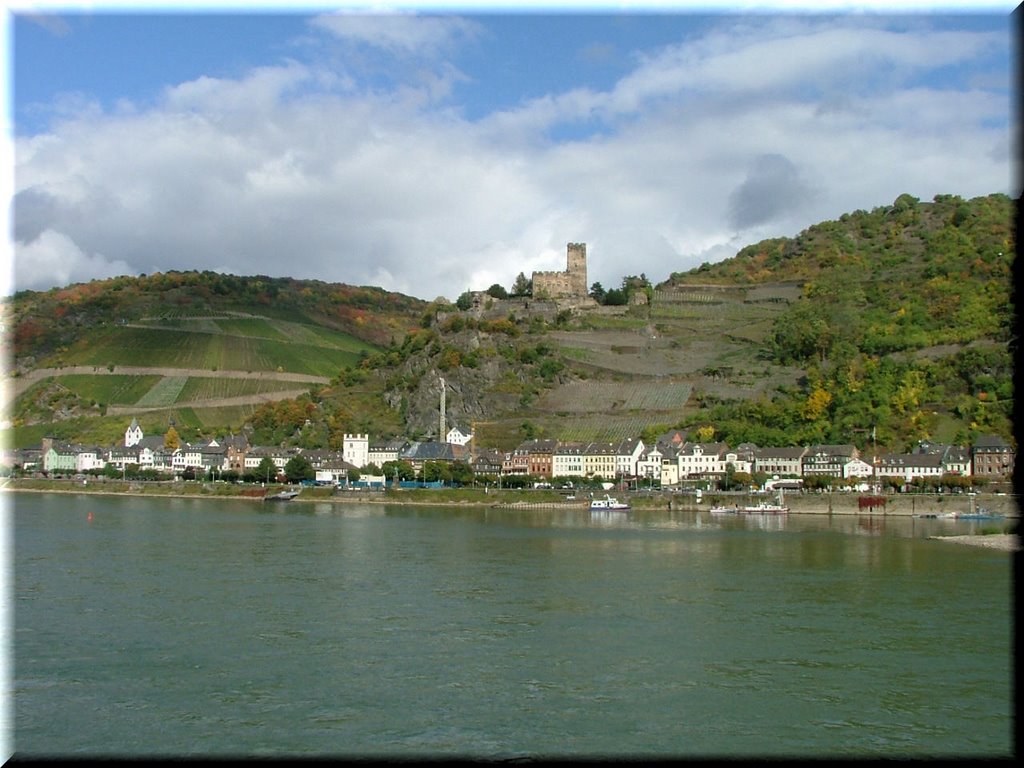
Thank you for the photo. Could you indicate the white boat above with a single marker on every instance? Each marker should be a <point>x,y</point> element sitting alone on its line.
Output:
<point>608,503</point>
<point>764,508</point>
<point>724,510</point>
<point>282,496</point>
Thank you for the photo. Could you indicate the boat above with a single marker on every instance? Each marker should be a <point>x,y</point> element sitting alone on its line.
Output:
<point>764,508</point>
<point>724,510</point>
<point>980,514</point>
<point>608,504</point>
<point>282,496</point>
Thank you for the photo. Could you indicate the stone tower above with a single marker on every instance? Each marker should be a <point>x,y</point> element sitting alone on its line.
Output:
<point>570,284</point>
<point>576,263</point>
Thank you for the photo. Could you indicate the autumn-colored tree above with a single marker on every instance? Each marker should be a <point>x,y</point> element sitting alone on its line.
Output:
<point>172,441</point>
<point>816,405</point>
<point>705,433</point>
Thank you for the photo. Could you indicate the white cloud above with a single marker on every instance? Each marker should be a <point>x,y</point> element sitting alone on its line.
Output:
<point>399,32</point>
<point>56,255</point>
<point>301,170</point>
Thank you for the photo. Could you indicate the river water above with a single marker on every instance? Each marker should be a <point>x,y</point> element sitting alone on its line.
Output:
<point>181,627</point>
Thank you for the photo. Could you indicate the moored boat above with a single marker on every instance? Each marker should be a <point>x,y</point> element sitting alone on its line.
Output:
<point>282,496</point>
<point>720,510</point>
<point>764,508</point>
<point>608,503</point>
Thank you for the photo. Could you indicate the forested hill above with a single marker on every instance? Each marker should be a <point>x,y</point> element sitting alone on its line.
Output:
<point>42,322</point>
<point>906,320</point>
<point>900,277</point>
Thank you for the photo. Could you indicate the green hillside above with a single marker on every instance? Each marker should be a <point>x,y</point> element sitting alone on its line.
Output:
<point>199,348</point>
<point>896,321</point>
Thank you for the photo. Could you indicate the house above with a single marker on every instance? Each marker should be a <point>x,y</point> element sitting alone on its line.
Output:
<point>57,456</point>
<point>567,460</point>
<point>382,453</point>
<point>236,446</point>
<point>701,460</point>
<point>648,465</point>
<point>670,473</point>
<point>486,462</point>
<point>356,449</point>
<point>674,437</point>
<point>458,435</point>
<point>332,468</point>
<point>991,456</point>
<point>908,466</point>
<point>280,456</point>
<point>122,457</point>
<point>783,461</point>
<point>828,460</point>
<point>626,457</point>
<point>516,462</point>
<point>956,460</point>
<point>599,460</point>
<point>741,459</point>
<point>419,453</point>
<point>89,458</point>
<point>539,457</point>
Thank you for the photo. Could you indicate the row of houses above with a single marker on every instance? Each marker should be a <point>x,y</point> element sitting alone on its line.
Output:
<point>673,459</point>
<point>670,461</point>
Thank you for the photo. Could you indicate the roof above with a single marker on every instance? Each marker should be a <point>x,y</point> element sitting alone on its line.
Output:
<point>782,452</point>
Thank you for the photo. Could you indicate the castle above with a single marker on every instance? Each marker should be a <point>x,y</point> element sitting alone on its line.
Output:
<point>570,284</point>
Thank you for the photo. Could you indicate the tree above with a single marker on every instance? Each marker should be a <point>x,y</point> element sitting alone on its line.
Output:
<point>615,297</point>
<point>267,469</point>
<point>597,293</point>
<point>705,434</point>
<point>465,301</point>
<point>298,469</point>
<point>171,439</point>
<point>497,291</point>
<point>523,286</point>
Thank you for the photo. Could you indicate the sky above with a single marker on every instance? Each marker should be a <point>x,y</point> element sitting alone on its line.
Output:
<point>430,150</point>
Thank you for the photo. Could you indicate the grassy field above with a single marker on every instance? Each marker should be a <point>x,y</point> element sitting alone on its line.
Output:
<point>602,396</point>
<point>110,390</point>
<point>151,347</point>
<point>200,388</point>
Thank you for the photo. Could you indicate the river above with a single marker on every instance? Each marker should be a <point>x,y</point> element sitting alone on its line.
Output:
<point>194,627</point>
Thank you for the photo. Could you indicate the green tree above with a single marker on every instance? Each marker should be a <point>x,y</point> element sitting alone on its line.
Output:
<point>597,293</point>
<point>523,286</point>
<point>465,300</point>
<point>497,291</point>
<point>298,469</point>
<point>266,470</point>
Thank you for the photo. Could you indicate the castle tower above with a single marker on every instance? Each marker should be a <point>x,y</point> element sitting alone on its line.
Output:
<point>576,266</point>
<point>570,284</point>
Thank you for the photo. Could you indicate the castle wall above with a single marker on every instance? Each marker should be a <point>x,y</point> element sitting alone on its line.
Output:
<point>572,283</point>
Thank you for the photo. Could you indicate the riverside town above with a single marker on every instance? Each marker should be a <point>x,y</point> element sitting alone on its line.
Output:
<point>672,463</point>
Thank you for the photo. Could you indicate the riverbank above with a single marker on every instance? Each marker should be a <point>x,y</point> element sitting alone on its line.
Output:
<point>908,505</point>
<point>1005,542</point>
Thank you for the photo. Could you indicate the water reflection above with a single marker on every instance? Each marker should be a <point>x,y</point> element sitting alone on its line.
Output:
<point>876,525</point>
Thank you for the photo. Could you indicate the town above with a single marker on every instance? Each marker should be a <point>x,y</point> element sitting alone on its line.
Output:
<point>673,461</point>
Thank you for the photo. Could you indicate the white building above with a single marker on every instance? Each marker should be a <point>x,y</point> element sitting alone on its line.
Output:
<point>458,436</point>
<point>133,435</point>
<point>356,450</point>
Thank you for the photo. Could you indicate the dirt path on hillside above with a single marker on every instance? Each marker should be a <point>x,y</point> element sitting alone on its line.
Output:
<point>221,402</point>
<point>23,382</point>
<point>13,387</point>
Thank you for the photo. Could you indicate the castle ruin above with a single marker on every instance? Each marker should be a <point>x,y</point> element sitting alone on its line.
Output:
<point>570,284</point>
